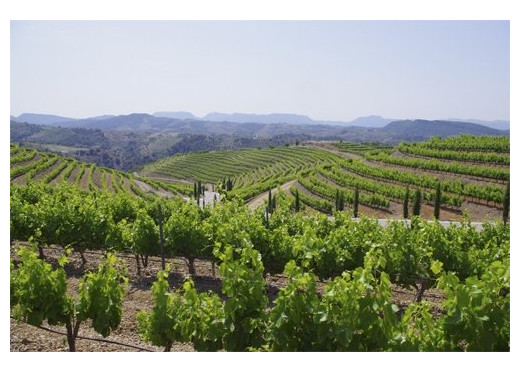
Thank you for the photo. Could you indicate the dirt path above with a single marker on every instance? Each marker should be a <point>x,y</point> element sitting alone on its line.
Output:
<point>258,200</point>
<point>159,176</point>
<point>324,145</point>
<point>147,188</point>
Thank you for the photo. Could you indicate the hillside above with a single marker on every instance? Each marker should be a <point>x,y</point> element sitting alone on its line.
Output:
<point>127,142</point>
<point>32,166</point>
<point>371,128</point>
<point>128,150</point>
<point>473,181</point>
<point>148,272</point>
<point>420,130</point>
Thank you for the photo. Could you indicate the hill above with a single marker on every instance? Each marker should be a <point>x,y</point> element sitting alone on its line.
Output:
<point>419,130</point>
<point>472,171</point>
<point>368,129</point>
<point>41,118</point>
<point>29,165</point>
<point>126,142</point>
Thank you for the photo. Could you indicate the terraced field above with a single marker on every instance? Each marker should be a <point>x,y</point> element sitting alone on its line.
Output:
<point>30,165</point>
<point>381,173</point>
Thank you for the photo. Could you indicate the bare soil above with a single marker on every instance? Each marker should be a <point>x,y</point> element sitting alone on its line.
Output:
<point>42,174</point>
<point>36,158</point>
<point>258,200</point>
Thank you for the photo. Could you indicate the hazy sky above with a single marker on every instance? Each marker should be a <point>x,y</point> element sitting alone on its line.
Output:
<point>330,70</point>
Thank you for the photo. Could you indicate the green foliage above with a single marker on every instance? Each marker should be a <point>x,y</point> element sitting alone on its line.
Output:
<point>406,201</point>
<point>478,310</point>
<point>201,318</point>
<point>356,313</point>
<point>142,236</point>
<point>505,208</point>
<point>437,202</point>
<point>184,233</point>
<point>101,296</point>
<point>244,286</point>
<point>435,148</point>
<point>38,292</point>
<point>419,331</point>
<point>292,326</point>
<point>297,201</point>
<point>356,202</point>
<point>159,325</point>
<point>416,211</point>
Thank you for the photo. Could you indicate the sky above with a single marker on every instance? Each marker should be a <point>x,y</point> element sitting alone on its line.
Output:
<point>328,70</point>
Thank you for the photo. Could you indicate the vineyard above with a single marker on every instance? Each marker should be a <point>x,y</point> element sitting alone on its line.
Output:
<point>339,277</point>
<point>31,166</point>
<point>382,175</point>
<point>101,254</point>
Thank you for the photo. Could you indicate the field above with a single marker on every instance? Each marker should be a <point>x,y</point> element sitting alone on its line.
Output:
<point>30,165</point>
<point>26,337</point>
<point>100,253</point>
<point>473,186</point>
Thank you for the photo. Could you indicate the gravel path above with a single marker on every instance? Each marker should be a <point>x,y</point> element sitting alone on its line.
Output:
<point>258,200</point>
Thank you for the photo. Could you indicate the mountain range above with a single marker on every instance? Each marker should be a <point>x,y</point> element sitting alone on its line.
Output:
<point>159,120</point>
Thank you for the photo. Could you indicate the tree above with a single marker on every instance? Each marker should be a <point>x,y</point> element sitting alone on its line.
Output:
<point>505,212</point>
<point>340,200</point>
<point>270,202</point>
<point>297,201</point>
<point>405,203</point>
<point>356,201</point>
<point>229,184</point>
<point>437,202</point>
<point>417,203</point>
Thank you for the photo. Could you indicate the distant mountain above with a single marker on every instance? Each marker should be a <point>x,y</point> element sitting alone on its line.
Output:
<point>419,130</point>
<point>46,119</point>
<point>496,124</point>
<point>175,115</point>
<point>127,141</point>
<point>41,118</point>
<point>131,122</point>
<point>259,118</point>
<point>369,128</point>
<point>100,117</point>
<point>368,121</point>
<point>371,121</point>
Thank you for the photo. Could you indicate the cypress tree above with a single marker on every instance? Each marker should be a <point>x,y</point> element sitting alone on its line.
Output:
<point>356,201</point>
<point>195,190</point>
<point>273,205</point>
<point>297,201</point>
<point>417,203</point>
<point>405,203</point>
<point>437,202</point>
<point>337,199</point>
<point>269,201</point>
<point>505,212</point>
<point>341,206</point>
